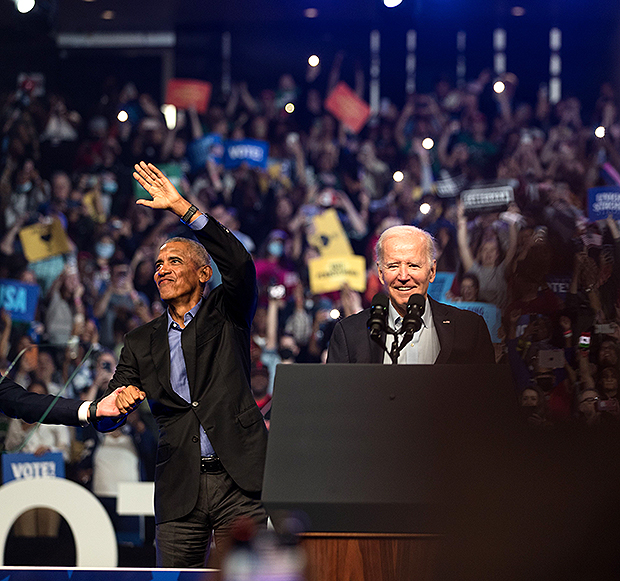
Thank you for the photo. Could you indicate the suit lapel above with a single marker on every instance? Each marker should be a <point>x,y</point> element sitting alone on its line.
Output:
<point>376,353</point>
<point>445,330</point>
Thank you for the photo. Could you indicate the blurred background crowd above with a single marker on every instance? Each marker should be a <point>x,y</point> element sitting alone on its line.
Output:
<point>551,272</point>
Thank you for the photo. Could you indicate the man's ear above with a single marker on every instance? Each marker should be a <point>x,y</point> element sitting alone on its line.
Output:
<point>380,273</point>
<point>206,272</point>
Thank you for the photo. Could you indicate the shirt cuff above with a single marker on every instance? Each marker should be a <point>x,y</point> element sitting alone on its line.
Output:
<point>83,413</point>
<point>199,222</point>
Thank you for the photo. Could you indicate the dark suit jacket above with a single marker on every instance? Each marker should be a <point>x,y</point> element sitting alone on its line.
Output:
<point>16,402</point>
<point>463,337</point>
<point>216,345</point>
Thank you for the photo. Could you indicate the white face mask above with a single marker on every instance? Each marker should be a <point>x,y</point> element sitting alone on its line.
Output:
<point>105,250</point>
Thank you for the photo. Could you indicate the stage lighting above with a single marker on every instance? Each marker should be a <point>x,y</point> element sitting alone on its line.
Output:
<point>170,115</point>
<point>517,11</point>
<point>313,61</point>
<point>499,87</point>
<point>398,176</point>
<point>428,143</point>
<point>334,314</point>
<point>600,132</point>
<point>311,12</point>
<point>24,6</point>
<point>392,3</point>
<point>289,107</point>
<point>122,116</point>
<point>425,208</point>
<point>108,15</point>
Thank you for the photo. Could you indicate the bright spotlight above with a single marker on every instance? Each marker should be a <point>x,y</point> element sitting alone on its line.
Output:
<point>392,3</point>
<point>24,6</point>
<point>170,115</point>
<point>313,61</point>
<point>398,176</point>
<point>425,208</point>
<point>499,87</point>
<point>334,314</point>
<point>517,11</point>
<point>600,132</point>
<point>311,12</point>
<point>289,107</point>
<point>428,143</point>
<point>122,116</point>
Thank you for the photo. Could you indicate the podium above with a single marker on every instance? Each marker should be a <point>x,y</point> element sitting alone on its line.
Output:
<point>374,458</point>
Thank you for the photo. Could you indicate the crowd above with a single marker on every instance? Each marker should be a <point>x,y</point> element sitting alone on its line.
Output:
<point>552,273</point>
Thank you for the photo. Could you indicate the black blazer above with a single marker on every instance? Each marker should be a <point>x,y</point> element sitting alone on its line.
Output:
<point>216,345</point>
<point>463,337</point>
<point>16,402</point>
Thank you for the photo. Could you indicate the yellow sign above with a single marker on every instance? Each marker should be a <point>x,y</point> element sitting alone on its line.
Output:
<point>41,241</point>
<point>330,273</point>
<point>328,235</point>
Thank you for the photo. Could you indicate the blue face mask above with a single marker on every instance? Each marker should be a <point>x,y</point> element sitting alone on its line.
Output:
<point>105,250</point>
<point>275,248</point>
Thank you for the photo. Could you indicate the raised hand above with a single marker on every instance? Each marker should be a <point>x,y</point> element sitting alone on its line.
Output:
<point>165,195</point>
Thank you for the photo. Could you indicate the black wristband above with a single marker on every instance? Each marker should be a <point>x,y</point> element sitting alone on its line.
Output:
<point>92,412</point>
<point>188,215</point>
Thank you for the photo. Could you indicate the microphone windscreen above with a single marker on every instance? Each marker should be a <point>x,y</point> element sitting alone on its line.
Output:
<point>416,302</point>
<point>380,300</point>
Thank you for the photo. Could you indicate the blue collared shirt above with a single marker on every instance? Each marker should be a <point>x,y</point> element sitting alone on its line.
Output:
<point>178,370</point>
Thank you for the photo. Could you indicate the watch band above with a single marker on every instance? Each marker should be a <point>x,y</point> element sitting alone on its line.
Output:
<point>188,215</point>
<point>92,412</point>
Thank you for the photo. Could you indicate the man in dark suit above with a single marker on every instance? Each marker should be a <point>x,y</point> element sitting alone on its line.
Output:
<point>193,363</point>
<point>16,402</point>
<point>406,265</point>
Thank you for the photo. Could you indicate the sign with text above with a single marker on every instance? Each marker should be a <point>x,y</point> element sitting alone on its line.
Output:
<point>186,93</point>
<point>254,152</point>
<point>441,285</point>
<point>209,147</point>
<point>602,201</point>
<point>44,240</point>
<point>344,104</point>
<point>331,273</point>
<point>559,284</point>
<point>19,299</point>
<point>171,170</point>
<point>487,199</point>
<point>28,466</point>
<point>328,236</point>
<point>489,312</point>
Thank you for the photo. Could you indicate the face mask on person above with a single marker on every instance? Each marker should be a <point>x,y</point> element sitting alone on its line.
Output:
<point>109,186</point>
<point>25,187</point>
<point>105,250</point>
<point>275,248</point>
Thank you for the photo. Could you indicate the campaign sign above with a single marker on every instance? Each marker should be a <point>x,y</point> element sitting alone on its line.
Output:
<point>254,152</point>
<point>28,466</point>
<point>559,284</point>
<point>441,285</point>
<point>171,170</point>
<point>331,273</point>
<point>489,312</point>
<point>19,299</point>
<point>487,199</point>
<point>186,93</point>
<point>602,201</point>
<point>344,104</point>
<point>208,147</point>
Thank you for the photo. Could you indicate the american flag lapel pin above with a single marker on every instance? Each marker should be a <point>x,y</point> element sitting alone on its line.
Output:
<point>446,322</point>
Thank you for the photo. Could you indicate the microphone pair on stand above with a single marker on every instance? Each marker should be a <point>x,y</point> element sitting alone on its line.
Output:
<point>412,322</point>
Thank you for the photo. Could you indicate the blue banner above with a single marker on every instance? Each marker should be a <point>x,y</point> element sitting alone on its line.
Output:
<point>489,312</point>
<point>602,201</point>
<point>19,299</point>
<point>207,147</point>
<point>250,151</point>
<point>441,285</point>
<point>29,466</point>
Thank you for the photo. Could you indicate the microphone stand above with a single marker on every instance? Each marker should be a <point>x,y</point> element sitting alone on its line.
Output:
<point>397,347</point>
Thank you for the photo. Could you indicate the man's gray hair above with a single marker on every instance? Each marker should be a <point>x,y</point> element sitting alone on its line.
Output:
<point>198,252</point>
<point>431,249</point>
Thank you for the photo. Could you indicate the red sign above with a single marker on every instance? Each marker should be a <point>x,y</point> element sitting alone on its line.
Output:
<point>186,93</point>
<point>347,107</point>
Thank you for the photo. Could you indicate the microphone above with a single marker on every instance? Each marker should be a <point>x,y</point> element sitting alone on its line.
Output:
<point>377,322</point>
<point>412,321</point>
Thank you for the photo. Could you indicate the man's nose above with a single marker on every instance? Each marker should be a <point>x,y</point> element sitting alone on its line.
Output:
<point>403,273</point>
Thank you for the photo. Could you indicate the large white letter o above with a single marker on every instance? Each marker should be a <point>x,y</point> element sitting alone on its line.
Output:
<point>93,533</point>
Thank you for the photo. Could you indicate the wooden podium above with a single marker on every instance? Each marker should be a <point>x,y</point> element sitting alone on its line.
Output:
<point>370,556</point>
<point>369,460</point>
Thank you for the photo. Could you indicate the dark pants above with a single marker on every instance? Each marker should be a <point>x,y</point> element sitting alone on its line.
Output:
<point>185,542</point>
